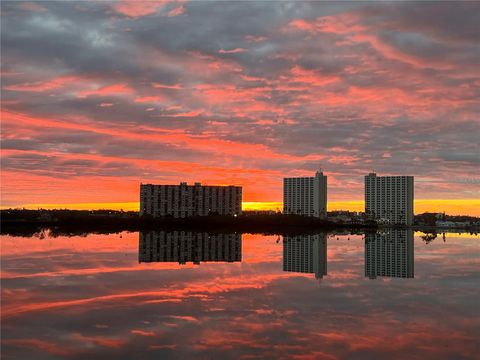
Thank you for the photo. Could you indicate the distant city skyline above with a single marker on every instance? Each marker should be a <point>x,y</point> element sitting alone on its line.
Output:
<point>451,207</point>
<point>291,185</point>
<point>97,95</point>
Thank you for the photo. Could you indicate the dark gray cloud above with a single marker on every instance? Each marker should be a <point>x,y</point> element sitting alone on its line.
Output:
<point>355,85</point>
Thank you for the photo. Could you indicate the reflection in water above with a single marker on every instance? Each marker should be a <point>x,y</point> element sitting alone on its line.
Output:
<point>182,247</point>
<point>389,254</point>
<point>88,297</point>
<point>305,254</point>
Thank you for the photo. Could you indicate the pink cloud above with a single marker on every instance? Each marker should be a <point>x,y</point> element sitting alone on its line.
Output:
<point>232,51</point>
<point>193,113</point>
<point>312,77</point>
<point>115,89</point>
<point>349,25</point>
<point>255,39</point>
<point>340,24</point>
<point>40,86</point>
<point>143,333</point>
<point>148,99</point>
<point>49,347</point>
<point>136,9</point>
<point>32,6</point>
<point>179,10</point>
<point>108,342</point>
<point>163,86</point>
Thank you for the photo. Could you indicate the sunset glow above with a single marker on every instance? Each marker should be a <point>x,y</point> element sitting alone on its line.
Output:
<point>173,175</point>
<point>453,207</point>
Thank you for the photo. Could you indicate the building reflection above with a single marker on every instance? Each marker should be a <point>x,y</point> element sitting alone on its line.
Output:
<point>389,254</point>
<point>305,254</point>
<point>183,247</point>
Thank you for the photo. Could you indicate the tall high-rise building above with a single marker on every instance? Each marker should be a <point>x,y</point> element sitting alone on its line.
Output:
<point>181,201</point>
<point>305,254</point>
<point>183,247</point>
<point>389,198</point>
<point>389,254</point>
<point>305,195</point>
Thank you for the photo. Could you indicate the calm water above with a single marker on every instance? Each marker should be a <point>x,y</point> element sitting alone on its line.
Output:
<point>126,296</point>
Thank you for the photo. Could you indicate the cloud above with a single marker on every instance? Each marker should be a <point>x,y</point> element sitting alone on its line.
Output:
<point>137,9</point>
<point>232,51</point>
<point>246,101</point>
<point>41,86</point>
<point>179,10</point>
<point>32,6</point>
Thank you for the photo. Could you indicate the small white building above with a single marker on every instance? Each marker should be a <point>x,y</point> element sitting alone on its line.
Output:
<point>305,195</point>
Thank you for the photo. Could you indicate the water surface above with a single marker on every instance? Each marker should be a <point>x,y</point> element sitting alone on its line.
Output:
<point>228,296</point>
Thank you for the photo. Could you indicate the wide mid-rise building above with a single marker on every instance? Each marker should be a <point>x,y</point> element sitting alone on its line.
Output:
<point>305,195</point>
<point>389,199</point>
<point>181,201</point>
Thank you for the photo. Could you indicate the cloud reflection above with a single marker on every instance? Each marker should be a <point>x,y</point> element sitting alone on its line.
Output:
<point>247,309</point>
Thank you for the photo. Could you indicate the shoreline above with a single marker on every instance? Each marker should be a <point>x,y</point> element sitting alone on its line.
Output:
<point>266,224</point>
<point>80,222</point>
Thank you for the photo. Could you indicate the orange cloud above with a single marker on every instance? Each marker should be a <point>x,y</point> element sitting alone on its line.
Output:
<point>49,347</point>
<point>179,10</point>
<point>311,77</point>
<point>136,9</point>
<point>149,99</point>
<point>115,89</point>
<point>41,86</point>
<point>232,51</point>
<point>32,6</point>
<point>143,333</point>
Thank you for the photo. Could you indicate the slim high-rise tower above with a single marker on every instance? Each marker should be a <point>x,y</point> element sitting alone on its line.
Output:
<point>305,195</point>
<point>389,198</point>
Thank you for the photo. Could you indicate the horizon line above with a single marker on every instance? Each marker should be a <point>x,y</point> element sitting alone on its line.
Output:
<point>449,206</point>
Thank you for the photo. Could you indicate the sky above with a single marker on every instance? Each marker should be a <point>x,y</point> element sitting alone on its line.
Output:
<point>98,97</point>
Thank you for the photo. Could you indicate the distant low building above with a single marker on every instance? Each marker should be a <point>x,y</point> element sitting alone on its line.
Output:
<point>181,201</point>
<point>452,224</point>
<point>259,212</point>
<point>305,196</point>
